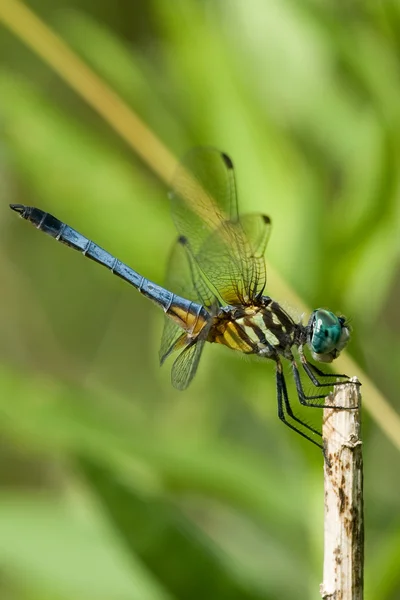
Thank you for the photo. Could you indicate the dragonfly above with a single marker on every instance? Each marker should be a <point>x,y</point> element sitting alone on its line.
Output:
<point>215,283</point>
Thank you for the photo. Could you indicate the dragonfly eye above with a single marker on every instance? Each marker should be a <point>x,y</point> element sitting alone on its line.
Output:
<point>328,335</point>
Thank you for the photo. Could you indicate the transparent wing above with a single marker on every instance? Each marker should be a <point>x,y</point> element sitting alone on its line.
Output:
<point>185,366</point>
<point>184,279</point>
<point>257,229</point>
<point>226,249</point>
<point>233,258</point>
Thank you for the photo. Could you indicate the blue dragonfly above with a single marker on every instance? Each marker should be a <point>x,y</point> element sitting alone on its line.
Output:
<point>214,289</point>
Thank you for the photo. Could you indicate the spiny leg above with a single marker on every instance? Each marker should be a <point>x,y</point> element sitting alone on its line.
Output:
<point>320,373</point>
<point>310,367</point>
<point>282,394</point>
<point>304,399</point>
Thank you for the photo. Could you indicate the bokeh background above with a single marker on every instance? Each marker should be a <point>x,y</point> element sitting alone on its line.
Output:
<point>113,484</point>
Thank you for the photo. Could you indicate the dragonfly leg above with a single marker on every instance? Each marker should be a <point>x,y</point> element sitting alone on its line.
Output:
<point>308,400</point>
<point>310,367</point>
<point>284,404</point>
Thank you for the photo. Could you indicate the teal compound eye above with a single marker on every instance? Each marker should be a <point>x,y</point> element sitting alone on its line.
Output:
<point>328,335</point>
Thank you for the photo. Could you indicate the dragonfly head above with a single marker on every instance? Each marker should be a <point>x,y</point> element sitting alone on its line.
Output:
<point>327,335</point>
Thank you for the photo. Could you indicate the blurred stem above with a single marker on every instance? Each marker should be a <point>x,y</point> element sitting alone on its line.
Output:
<point>51,48</point>
<point>29,28</point>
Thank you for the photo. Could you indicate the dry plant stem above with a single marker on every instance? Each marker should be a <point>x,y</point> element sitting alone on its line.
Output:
<point>343,482</point>
<point>20,19</point>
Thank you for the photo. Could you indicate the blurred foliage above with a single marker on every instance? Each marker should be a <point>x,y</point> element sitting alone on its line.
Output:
<point>114,485</point>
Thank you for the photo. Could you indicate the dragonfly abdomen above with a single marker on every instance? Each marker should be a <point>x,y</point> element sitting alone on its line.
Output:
<point>67,235</point>
<point>192,317</point>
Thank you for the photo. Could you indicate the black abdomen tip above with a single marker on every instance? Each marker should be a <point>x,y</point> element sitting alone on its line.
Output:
<point>19,208</point>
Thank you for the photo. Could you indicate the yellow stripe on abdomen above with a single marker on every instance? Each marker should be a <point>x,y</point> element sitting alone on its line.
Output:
<point>235,338</point>
<point>191,322</point>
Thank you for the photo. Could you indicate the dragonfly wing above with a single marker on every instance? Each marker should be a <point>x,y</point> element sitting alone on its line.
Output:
<point>257,229</point>
<point>237,271</point>
<point>184,279</point>
<point>203,194</point>
<point>173,338</point>
<point>205,211</point>
<point>185,366</point>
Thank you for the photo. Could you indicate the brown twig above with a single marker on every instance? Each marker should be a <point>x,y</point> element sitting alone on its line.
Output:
<point>343,482</point>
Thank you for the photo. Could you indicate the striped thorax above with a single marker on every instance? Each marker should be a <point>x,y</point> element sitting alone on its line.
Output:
<point>264,329</point>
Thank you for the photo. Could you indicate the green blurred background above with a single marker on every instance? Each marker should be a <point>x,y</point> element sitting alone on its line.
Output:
<point>113,484</point>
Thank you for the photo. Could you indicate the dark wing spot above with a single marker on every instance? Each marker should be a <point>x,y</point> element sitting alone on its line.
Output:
<point>182,240</point>
<point>266,219</point>
<point>227,160</point>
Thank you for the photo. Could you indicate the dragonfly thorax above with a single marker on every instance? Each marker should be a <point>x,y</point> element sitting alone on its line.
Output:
<point>263,328</point>
<point>267,330</point>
